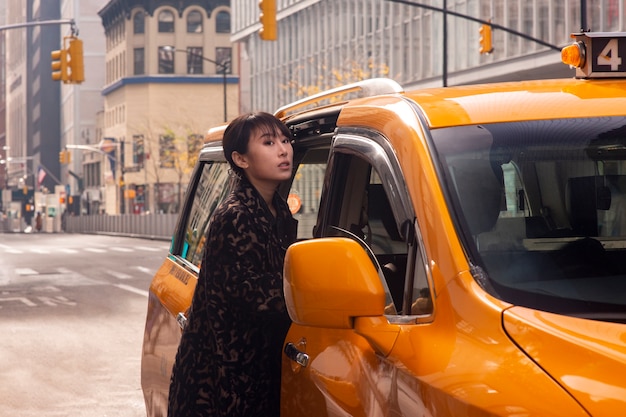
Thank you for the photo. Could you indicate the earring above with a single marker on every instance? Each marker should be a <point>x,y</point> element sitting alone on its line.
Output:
<point>234,174</point>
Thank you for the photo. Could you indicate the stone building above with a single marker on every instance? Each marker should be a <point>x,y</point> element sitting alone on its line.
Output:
<point>171,73</point>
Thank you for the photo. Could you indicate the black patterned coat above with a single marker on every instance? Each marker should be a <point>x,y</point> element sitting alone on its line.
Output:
<point>228,360</point>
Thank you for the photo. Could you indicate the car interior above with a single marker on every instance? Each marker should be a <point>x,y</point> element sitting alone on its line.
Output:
<point>544,218</point>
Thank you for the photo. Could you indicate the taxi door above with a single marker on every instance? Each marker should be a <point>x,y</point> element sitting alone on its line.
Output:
<point>332,366</point>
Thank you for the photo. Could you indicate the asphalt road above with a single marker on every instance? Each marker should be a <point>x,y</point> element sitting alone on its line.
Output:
<point>72,312</point>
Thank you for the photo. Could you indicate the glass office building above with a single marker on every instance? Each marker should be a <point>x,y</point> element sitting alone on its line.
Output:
<point>325,43</point>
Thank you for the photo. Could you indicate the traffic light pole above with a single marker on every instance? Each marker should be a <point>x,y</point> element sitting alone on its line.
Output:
<point>223,65</point>
<point>43,23</point>
<point>487,26</point>
<point>482,21</point>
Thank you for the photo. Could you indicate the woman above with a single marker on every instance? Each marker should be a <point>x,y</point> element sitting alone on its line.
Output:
<point>228,361</point>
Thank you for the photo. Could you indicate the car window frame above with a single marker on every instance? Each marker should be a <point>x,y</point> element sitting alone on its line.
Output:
<point>209,153</point>
<point>376,150</point>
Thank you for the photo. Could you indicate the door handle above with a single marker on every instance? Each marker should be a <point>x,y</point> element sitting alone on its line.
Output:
<point>296,355</point>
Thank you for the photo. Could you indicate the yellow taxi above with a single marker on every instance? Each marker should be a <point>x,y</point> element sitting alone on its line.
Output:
<point>462,250</point>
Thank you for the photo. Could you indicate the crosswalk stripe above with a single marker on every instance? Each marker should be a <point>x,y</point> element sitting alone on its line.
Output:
<point>121,249</point>
<point>144,269</point>
<point>119,275</point>
<point>95,250</point>
<point>40,251</point>
<point>147,248</point>
<point>25,271</point>
<point>68,250</point>
<point>132,289</point>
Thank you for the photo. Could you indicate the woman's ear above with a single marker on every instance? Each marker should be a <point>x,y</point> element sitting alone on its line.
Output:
<point>240,160</point>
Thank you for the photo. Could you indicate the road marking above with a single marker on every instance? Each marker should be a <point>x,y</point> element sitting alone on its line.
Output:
<point>25,271</point>
<point>132,289</point>
<point>46,288</point>
<point>122,249</point>
<point>144,269</point>
<point>147,248</point>
<point>40,251</point>
<point>95,250</point>
<point>119,275</point>
<point>54,301</point>
<point>67,250</point>
<point>14,251</point>
<point>20,299</point>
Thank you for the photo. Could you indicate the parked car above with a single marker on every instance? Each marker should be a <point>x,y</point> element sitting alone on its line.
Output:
<point>461,249</point>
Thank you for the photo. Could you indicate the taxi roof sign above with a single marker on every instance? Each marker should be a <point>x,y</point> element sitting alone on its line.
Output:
<point>597,54</point>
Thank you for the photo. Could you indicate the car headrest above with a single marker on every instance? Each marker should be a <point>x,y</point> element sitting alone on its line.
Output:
<point>478,184</point>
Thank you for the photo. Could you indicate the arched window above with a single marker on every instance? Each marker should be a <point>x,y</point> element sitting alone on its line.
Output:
<point>222,22</point>
<point>139,21</point>
<point>166,21</point>
<point>194,22</point>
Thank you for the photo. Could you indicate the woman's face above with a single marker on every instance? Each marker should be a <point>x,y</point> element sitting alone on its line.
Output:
<point>269,158</point>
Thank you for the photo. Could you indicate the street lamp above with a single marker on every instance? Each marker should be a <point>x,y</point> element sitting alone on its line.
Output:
<point>223,66</point>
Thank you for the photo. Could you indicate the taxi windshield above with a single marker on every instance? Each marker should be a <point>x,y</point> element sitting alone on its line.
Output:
<point>541,209</point>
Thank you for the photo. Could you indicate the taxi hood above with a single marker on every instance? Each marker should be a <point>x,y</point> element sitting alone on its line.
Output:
<point>586,357</point>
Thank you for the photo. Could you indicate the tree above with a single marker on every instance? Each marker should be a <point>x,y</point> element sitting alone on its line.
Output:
<point>180,153</point>
<point>349,72</point>
<point>169,156</point>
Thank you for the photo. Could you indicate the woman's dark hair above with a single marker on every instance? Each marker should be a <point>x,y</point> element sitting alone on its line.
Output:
<point>237,134</point>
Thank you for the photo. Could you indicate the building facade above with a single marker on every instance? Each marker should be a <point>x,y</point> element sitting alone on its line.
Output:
<point>44,116</point>
<point>80,105</point>
<point>325,43</point>
<point>3,125</point>
<point>171,73</point>
<point>32,103</point>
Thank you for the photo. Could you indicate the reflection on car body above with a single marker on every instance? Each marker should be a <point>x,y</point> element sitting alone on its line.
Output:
<point>461,251</point>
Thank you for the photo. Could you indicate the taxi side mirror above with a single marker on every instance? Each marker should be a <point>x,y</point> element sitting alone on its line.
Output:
<point>329,282</point>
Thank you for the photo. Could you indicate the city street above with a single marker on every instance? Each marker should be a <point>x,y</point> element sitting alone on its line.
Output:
<point>72,311</point>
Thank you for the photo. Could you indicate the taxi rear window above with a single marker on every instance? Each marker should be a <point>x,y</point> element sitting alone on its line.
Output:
<point>213,181</point>
<point>213,185</point>
<point>541,207</point>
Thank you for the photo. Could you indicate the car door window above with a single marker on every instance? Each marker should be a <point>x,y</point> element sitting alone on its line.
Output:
<point>359,206</point>
<point>212,182</point>
<point>212,185</point>
<point>306,188</point>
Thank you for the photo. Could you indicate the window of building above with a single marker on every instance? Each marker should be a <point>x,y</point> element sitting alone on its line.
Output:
<point>139,21</point>
<point>167,197</point>
<point>166,59</point>
<point>166,21</point>
<point>194,145</point>
<point>194,60</point>
<point>222,22</point>
<point>138,151</point>
<point>224,57</point>
<point>194,22</point>
<point>92,174</point>
<point>138,61</point>
<point>167,151</point>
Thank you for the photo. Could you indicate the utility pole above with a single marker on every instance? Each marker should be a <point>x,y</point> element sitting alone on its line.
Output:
<point>487,27</point>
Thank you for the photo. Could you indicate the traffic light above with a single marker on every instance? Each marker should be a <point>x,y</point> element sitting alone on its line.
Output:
<point>67,63</point>
<point>485,39</point>
<point>65,157</point>
<point>267,17</point>
<point>59,65</point>
<point>75,61</point>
